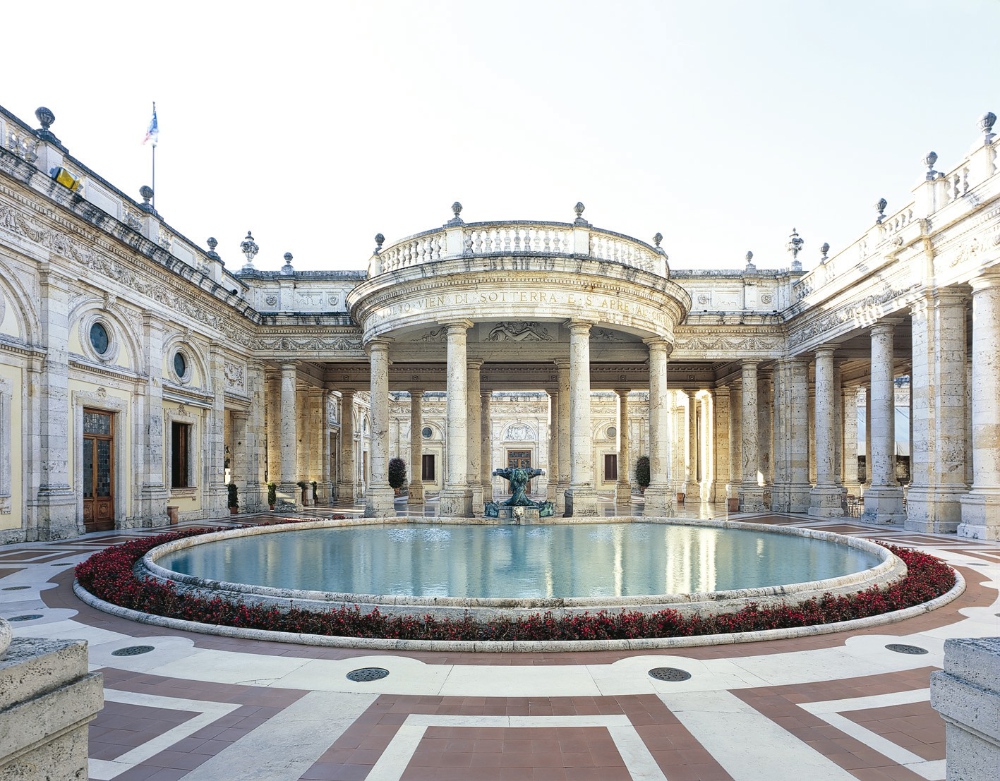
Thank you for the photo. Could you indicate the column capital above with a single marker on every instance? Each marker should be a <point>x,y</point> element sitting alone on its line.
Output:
<point>416,392</point>
<point>885,325</point>
<point>658,343</point>
<point>289,366</point>
<point>825,349</point>
<point>987,279</point>
<point>950,296</point>
<point>561,363</point>
<point>456,324</point>
<point>623,392</point>
<point>473,363</point>
<point>379,344</point>
<point>579,325</point>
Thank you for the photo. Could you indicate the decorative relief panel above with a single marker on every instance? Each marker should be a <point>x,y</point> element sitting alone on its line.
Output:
<point>519,332</point>
<point>341,343</point>
<point>519,432</point>
<point>235,374</point>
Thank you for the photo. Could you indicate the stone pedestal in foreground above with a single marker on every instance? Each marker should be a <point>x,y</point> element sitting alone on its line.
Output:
<point>47,698</point>
<point>967,695</point>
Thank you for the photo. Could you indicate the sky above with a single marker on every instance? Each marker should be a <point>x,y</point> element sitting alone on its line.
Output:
<point>723,125</point>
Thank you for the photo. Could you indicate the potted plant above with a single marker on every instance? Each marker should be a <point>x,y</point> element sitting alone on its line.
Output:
<point>234,503</point>
<point>397,474</point>
<point>315,485</point>
<point>306,498</point>
<point>272,495</point>
<point>642,473</point>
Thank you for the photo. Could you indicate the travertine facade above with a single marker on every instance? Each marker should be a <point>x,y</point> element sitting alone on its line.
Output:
<point>140,372</point>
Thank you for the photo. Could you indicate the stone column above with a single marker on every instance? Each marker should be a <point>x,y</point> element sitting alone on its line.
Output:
<point>288,437</point>
<point>581,497</point>
<point>552,465</point>
<point>751,494</point>
<point>272,424</point>
<point>562,373</point>
<point>938,402</point>
<point>884,500</point>
<point>824,499</point>
<point>793,486</point>
<point>981,506</point>
<point>456,499</point>
<point>765,442</point>
<point>623,488</point>
<point>707,451</point>
<point>346,492</point>
<point>326,451</point>
<point>55,503</point>
<point>254,492</point>
<point>868,435</point>
<point>720,405</point>
<point>658,499</point>
<point>486,447</point>
<point>735,439</point>
<point>416,487</point>
<point>475,423</point>
<point>692,489</point>
<point>850,447</point>
<point>154,493</point>
<point>678,443</point>
<point>379,498</point>
<point>239,425</point>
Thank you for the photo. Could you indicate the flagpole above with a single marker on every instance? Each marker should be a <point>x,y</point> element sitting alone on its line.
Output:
<point>154,176</point>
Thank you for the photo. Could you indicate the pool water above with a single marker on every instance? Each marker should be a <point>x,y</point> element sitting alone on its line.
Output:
<point>519,562</point>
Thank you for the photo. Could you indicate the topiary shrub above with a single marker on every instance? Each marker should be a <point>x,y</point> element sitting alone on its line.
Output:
<point>272,495</point>
<point>234,502</point>
<point>397,473</point>
<point>642,472</point>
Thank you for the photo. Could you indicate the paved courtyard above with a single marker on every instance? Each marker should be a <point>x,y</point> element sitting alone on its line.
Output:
<point>199,708</point>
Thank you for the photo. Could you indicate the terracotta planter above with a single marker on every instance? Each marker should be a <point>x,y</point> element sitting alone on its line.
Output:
<point>680,497</point>
<point>173,514</point>
<point>233,510</point>
<point>733,504</point>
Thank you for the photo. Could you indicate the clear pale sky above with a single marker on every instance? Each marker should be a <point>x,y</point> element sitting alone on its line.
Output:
<point>721,124</point>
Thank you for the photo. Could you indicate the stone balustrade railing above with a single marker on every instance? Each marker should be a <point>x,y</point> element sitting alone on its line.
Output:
<point>518,238</point>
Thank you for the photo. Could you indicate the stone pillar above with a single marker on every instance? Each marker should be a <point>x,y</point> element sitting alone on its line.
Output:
<point>416,487</point>
<point>658,499</point>
<point>720,405</point>
<point>678,442</point>
<point>938,403</point>
<point>824,499</point>
<point>255,489</point>
<point>272,424</point>
<point>552,465</point>
<point>838,429</point>
<point>868,435</point>
<point>562,373</point>
<point>238,474</point>
<point>850,446</point>
<point>765,428</point>
<point>486,447</point>
<point>346,492</point>
<point>751,494</point>
<point>48,698</point>
<point>707,451</point>
<point>981,506</point>
<point>796,372</point>
<point>55,502</point>
<point>884,500</point>
<point>967,695</point>
<point>153,493</point>
<point>326,451</point>
<point>475,423</point>
<point>456,499</point>
<point>379,498</point>
<point>692,489</point>
<point>581,497</point>
<point>735,439</point>
<point>623,488</point>
<point>288,418</point>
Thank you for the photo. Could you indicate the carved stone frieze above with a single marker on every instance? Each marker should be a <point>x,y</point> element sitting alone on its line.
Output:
<point>235,375</point>
<point>519,332</point>
<point>330,343</point>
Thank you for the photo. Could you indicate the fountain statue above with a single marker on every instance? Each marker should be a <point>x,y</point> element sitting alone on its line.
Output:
<point>519,503</point>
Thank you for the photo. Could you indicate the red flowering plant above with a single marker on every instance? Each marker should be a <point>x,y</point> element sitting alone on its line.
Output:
<point>110,576</point>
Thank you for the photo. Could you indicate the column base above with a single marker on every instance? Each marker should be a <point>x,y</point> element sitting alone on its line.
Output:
<point>325,489</point>
<point>57,514</point>
<point>659,501</point>
<point>476,501</point>
<point>752,499</point>
<point>289,498</point>
<point>346,493</point>
<point>717,493</point>
<point>826,502</point>
<point>153,506</point>
<point>692,492</point>
<point>934,510</point>
<point>981,514</point>
<point>456,503</point>
<point>487,492</point>
<point>559,503</point>
<point>379,503</point>
<point>623,494</point>
<point>415,492</point>
<point>581,502</point>
<point>884,505</point>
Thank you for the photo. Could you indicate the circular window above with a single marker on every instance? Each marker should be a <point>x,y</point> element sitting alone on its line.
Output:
<point>612,432</point>
<point>180,364</point>
<point>99,338</point>
<point>427,433</point>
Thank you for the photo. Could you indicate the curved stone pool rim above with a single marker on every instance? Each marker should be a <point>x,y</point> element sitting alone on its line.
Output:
<point>889,569</point>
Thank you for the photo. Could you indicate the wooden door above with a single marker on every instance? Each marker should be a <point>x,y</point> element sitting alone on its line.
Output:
<point>98,470</point>
<point>519,459</point>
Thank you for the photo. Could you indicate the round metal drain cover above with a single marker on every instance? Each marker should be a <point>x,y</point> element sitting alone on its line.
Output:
<point>366,674</point>
<point>669,674</point>
<point>906,649</point>
<point>15,588</point>
<point>30,617</point>
<point>133,650</point>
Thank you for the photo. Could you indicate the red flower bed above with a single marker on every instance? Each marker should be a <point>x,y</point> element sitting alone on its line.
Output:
<point>109,575</point>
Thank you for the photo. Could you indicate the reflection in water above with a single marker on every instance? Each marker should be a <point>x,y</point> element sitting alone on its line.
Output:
<point>609,560</point>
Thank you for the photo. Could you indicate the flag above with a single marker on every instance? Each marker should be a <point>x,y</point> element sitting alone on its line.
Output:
<point>153,131</point>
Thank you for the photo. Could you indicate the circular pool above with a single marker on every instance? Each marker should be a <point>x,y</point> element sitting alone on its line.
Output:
<point>452,566</point>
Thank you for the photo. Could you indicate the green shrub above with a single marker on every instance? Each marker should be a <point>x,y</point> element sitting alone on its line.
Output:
<point>642,471</point>
<point>233,496</point>
<point>397,473</point>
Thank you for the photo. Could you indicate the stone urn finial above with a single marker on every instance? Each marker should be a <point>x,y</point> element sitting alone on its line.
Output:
<point>249,249</point>
<point>45,118</point>
<point>750,265</point>
<point>456,210</point>
<point>929,159</point>
<point>287,268</point>
<point>880,206</point>
<point>825,249</point>
<point>212,243</point>
<point>579,214</point>
<point>657,239</point>
<point>794,246</point>
<point>379,241</point>
<point>147,195</point>
<point>986,122</point>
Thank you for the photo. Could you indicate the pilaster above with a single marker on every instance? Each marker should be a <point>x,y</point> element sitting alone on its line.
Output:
<point>379,500</point>
<point>884,500</point>
<point>825,497</point>
<point>456,498</point>
<point>658,498</point>
<point>415,489</point>
<point>623,488</point>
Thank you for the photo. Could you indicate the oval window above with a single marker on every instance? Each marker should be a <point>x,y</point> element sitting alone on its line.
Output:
<point>427,432</point>
<point>99,338</point>
<point>612,432</point>
<point>180,364</point>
